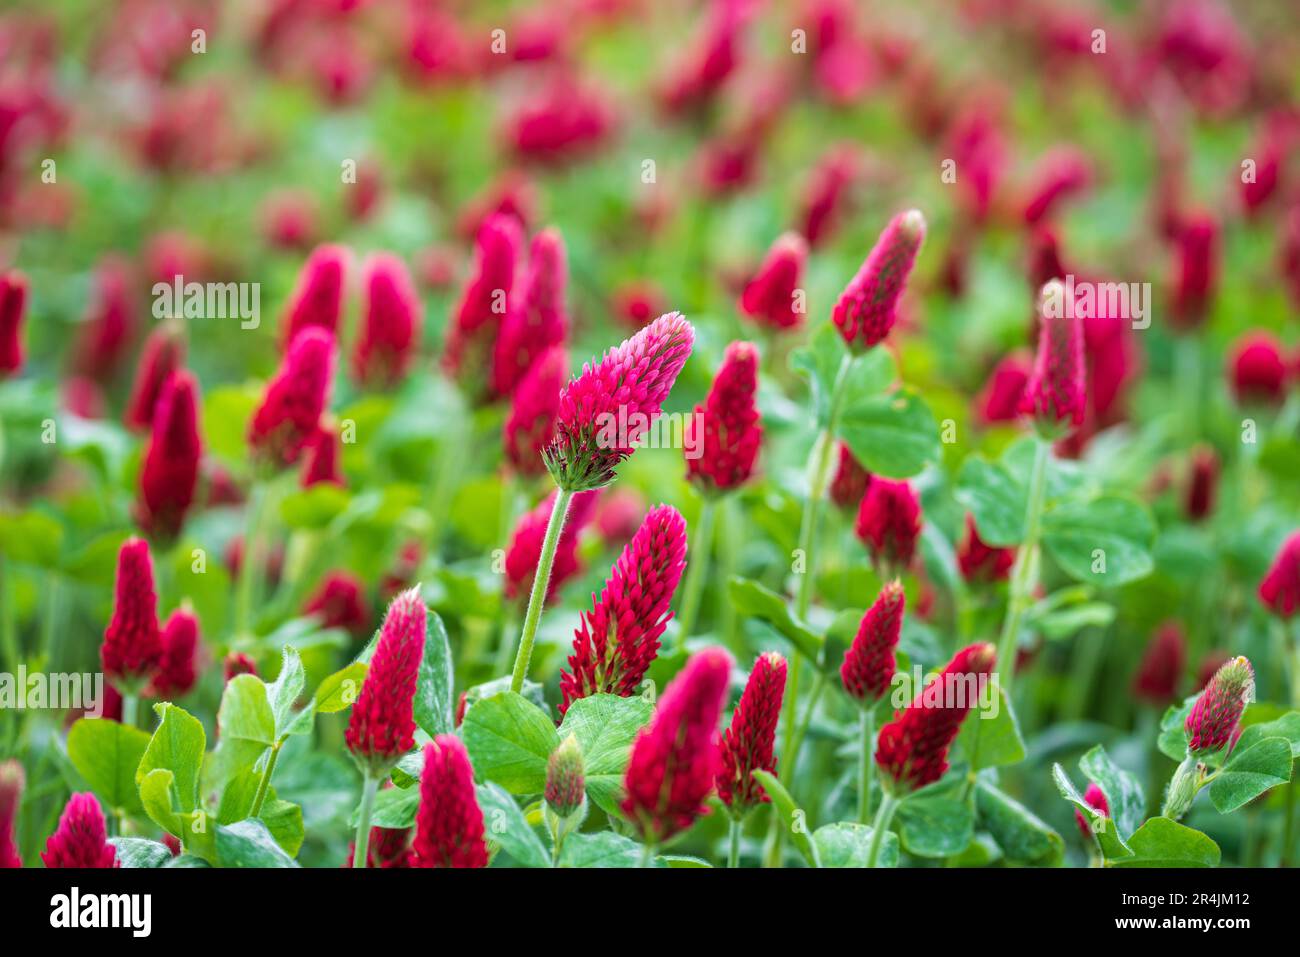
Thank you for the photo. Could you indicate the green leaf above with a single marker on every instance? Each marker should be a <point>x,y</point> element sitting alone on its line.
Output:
<point>1102,827</point>
<point>757,601</point>
<point>177,746</point>
<point>892,435</point>
<point>1250,773</point>
<point>934,826</point>
<point>509,741</point>
<point>1172,741</point>
<point>989,742</point>
<point>187,860</point>
<point>1024,838</point>
<point>434,703</point>
<point>603,849</point>
<point>605,726</point>
<point>226,411</point>
<point>340,690</point>
<point>1287,726</point>
<point>994,498</point>
<point>394,808</point>
<point>1123,793</point>
<point>156,799</point>
<point>791,815</point>
<point>820,361</point>
<point>249,844</point>
<point>31,537</point>
<point>506,826</point>
<point>284,822</point>
<point>138,852</point>
<point>106,754</point>
<point>285,691</point>
<point>247,725</point>
<point>313,507</point>
<point>847,844</point>
<point>1106,541</point>
<point>1161,842</point>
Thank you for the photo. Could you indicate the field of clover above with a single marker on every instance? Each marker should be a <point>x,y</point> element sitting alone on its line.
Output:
<point>606,433</point>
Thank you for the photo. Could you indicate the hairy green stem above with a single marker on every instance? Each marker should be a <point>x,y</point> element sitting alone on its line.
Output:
<point>264,785</point>
<point>647,854</point>
<point>696,572</point>
<point>880,826</point>
<point>541,581</point>
<point>369,788</point>
<point>866,764</point>
<point>1024,576</point>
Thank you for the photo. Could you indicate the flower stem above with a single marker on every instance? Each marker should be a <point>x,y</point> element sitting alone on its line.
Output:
<point>1187,359</point>
<point>880,826</point>
<point>647,854</point>
<point>733,850</point>
<point>541,581</point>
<point>265,784</point>
<point>248,563</point>
<point>819,685</point>
<point>369,788</point>
<point>696,572</point>
<point>866,765</point>
<point>8,622</point>
<point>130,704</point>
<point>1024,576</point>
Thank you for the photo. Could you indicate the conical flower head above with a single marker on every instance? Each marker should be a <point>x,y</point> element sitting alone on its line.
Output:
<point>618,639</point>
<point>675,758</point>
<point>317,299</point>
<point>771,297</point>
<point>850,481</point>
<point>1212,723</point>
<point>1162,665</point>
<point>11,793</point>
<point>1279,592</point>
<point>340,602</point>
<point>529,427</point>
<point>912,750</point>
<point>169,474</point>
<point>869,665</point>
<point>1203,484</point>
<point>723,436</point>
<point>1055,394</point>
<point>13,302</point>
<point>391,316</point>
<point>486,300</point>
<point>749,744</point>
<point>566,786</point>
<point>163,354</point>
<point>525,547</point>
<point>537,321</point>
<point>449,824</point>
<point>382,727</point>
<point>889,524</point>
<point>180,642</point>
<point>81,839</point>
<point>289,415</point>
<point>611,405</point>
<point>132,645</point>
<point>869,304</point>
<point>1000,399</point>
<point>1196,270</point>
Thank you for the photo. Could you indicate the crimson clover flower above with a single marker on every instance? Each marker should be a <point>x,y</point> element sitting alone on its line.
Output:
<point>748,745</point>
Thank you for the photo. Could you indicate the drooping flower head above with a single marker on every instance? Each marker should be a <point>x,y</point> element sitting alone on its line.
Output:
<point>1202,484</point>
<point>1212,722</point>
<point>867,308</point>
<point>11,792</point>
<point>1002,394</point>
<point>180,642</point>
<point>132,645</point>
<point>525,548</point>
<point>340,602</point>
<point>536,401</point>
<point>1279,592</point>
<point>163,354</point>
<point>850,481</point>
<point>322,459</point>
<point>1095,798</point>
<point>1055,395</point>
<point>13,302</point>
<point>1162,665</point>
<point>81,839</point>
<point>1257,370</point>
<point>1196,270</point>
<point>618,639</point>
<point>889,524</point>
<point>449,824</point>
<point>912,749</point>
<point>612,403</point>
<point>748,745</point>
<point>723,436</point>
<point>391,316</point>
<point>676,757</point>
<point>317,299</point>
<point>538,320</point>
<point>486,300</point>
<point>981,562</point>
<point>382,727</point>
<point>169,473</point>
<point>771,297</point>
<point>289,415</point>
<point>869,665</point>
<point>566,786</point>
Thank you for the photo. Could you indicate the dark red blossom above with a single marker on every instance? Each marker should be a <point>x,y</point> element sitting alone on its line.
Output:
<point>1055,395</point>
<point>722,438</point>
<point>13,302</point>
<point>1196,266</point>
<point>538,319</point>
<point>237,663</point>
<point>561,120</point>
<point>322,461</point>
<point>525,549</point>
<point>889,524</point>
<point>618,639</point>
<point>486,299</point>
<point>180,644</point>
<point>169,474</point>
<point>530,425</point>
<point>1062,172</point>
<point>850,481</point>
<point>1257,370</point>
<point>1095,799</point>
<point>868,665</point>
<point>1279,592</point>
<point>772,297</point>
<point>340,602</point>
<point>382,727</point>
<point>979,561</point>
<point>289,415</point>
<point>868,307</point>
<point>1212,722</point>
<point>11,793</point>
<point>710,59</point>
<point>163,354</point>
<point>1162,665</point>
<point>391,316</point>
<point>449,824</point>
<point>109,326</point>
<point>827,195</point>
<point>748,745</point>
<point>1044,263</point>
<point>676,757</point>
<point>132,646</point>
<point>317,299</point>
<point>1202,484</point>
<point>912,749</point>
<point>81,839</point>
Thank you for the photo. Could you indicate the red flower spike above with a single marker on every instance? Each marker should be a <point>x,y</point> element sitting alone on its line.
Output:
<point>828,193</point>
<point>1062,172</point>
<point>525,547</point>
<point>537,321</point>
<point>618,639</point>
<point>770,296</point>
<point>1000,400</point>
<point>869,663</point>
<point>980,562</point>
<point>180,642</point>
<point>237,663</point>
<point>712,58</point>
<point>1203,484</point>
<point>1055,394</point>
<point>169,474</point>
<point>748,745</point>
<point>449,824</point>
<point>850,481</point>
<point>340,602</point>
<point>81,839</point>
<point>889,524</point>
<point>486,300</point>
<point>1197,256</point>
<point>11,792</point>
<point>676,757</point>
<point>612,403</point>
<point>1257,370</point>
<point>723,436</point>
<point>1095,799</point>
<point>391,317</point>
<point>868,307</point>
<point>529,427</point>
<point>1279,592</point>
<point>1162,665</point>
<point>13,303</point>
<point>110,324</point>
<point>132,645</point>
<point>163,354</point>
<point>382,727</point>
<point>289,415</point>
<point>317,299</point>
<point>1212,723</point>
<point>322,462</point>
<point>912,750</point>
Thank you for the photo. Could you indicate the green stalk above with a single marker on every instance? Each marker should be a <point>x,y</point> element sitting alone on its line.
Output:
<point>264,785</point>
<point>647,854</point>
<point>819,685</point>
<point>733,851</point>
<point>130,703</point>
<point>1024,576</point>
<point>866,765</point>
<point>729,551</point>
<point>541,581</point>
<point>8,623</point>
<point>696,573</point>
<point>1188,374</point>
<point>247,567</point>
<point>369,788</point>
<point>884,816</point>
